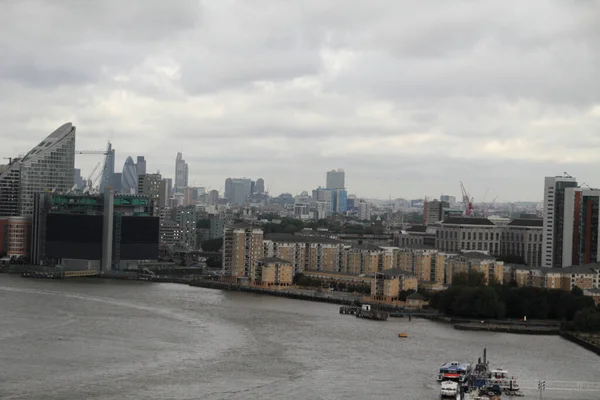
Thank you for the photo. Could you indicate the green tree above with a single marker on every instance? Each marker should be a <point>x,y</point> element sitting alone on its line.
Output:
<point>577,291</point>
<point>471,278</point>
<point>212,245</point>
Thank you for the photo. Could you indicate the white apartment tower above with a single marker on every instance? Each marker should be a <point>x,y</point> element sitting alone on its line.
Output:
<point>554,204</point>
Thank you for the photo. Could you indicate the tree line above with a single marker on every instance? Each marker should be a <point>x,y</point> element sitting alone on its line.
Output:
<point>468,298</point>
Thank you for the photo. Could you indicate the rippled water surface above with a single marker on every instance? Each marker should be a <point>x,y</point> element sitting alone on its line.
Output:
<point>136,340</point>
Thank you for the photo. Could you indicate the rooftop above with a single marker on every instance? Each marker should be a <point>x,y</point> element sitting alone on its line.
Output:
<point>417,228</point>
<point>468,221</point>
<point>367,247</point>
<point>417,246</point>
<point>476,255</point>
<point>591,268</point>
<point>397,272</point>
<point>287,238</point>
<point>274,260</point>
<point>536,222</point>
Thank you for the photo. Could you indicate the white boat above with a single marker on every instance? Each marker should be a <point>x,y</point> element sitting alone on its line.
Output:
<point>449,389</point>
<point>500,377</point>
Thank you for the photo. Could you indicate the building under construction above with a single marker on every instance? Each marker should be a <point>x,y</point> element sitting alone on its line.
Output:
<point>93,231</point>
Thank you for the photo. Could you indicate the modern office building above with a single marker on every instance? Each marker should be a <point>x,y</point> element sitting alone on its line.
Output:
<point>149,185</point>
<point>340,200</point>
<point>140,165</point>
<point>238,190</point>
<point>581,226</point>
<point>336,179</point>
<point>181,173</point>
<point>129,178</point>
<point>108,175</point>
<point>433,211</point>
<point>10,180</point>
<point>213,197</point>
<point>259,187</point>
<point>523,237</point>
<point>96,231</point>
<point>455,235</point>
<point>451,200</point>
<point>554,203</point>
<point>50,166</point>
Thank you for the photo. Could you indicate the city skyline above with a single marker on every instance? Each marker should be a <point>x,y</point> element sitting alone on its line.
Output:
<point>410,99</point>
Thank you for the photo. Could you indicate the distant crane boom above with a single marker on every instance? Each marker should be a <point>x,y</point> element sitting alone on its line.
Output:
<point>467,200</point>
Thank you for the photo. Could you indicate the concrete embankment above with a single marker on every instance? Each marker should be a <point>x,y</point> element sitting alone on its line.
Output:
<point>319,297</point>
<point>590,342</point>
<point>504,328</point>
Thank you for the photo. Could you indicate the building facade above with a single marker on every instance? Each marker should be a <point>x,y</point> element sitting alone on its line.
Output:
<point>455,235</point>
<point>15,237</point>
<point>129,177</point>
<point>186,218</point>
<point>242,247</point>
<point>523,238</point>
<point>581,227</point>
<point>554,201</point>
<point>272,272</point>
<point>181,173</point>
<point>47,167</point>
<point>336,179</point>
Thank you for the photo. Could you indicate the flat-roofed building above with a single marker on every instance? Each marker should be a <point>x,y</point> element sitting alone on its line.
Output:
<point>272,272</point>
<point>387,285</point>
<point>523,237</point>
<point>458,234</point>
<point>475,261</point>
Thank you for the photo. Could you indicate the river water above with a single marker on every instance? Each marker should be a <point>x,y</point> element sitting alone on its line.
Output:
<point>79,339</point>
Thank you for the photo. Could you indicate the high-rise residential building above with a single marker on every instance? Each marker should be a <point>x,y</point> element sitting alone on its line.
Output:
<point>129,177</point>
<point>140,165</point>
<point>238,190</point>
<point>364,210</point>
<point>433,211</point>
<point>48,166</point>
<point>149,185</point>
<point>187,217</point>
<point>181,173</point>
<point>554,204</point>
<point>336,179</point>
<point>581,226</point>
<point>242,247</point>
<point>260,186</point>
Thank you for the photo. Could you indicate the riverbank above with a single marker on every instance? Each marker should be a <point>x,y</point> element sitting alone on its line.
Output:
<point>589,341</point>
<point>505,328</point>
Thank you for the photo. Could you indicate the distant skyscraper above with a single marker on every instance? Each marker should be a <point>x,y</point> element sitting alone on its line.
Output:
<point>238,190</point>
<point>181,173</point>
<point>336,179</point>
<point>129,179</point>
<point>149,185</point>
<point>340,200</point>
<point>260,186</point>
<point>554,207</point>
<point>78,180</point>
<point>108,175</point>
<point>140,165</point>
<point>48,166</point>
<point>213,197</point>
<point>451,200</point>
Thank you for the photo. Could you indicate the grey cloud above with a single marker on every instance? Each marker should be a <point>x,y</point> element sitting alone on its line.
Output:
<point>501,93</point>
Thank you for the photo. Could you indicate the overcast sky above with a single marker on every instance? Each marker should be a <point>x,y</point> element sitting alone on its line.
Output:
<point>408,97</point>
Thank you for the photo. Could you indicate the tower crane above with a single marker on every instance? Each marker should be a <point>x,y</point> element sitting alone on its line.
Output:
<point>467,200</point>
<point>88,181</point>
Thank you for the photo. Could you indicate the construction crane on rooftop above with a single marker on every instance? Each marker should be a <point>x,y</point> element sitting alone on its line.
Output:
<point>467,200</point>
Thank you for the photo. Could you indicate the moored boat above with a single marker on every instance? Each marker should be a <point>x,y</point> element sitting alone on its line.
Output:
<point>455,371</point>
